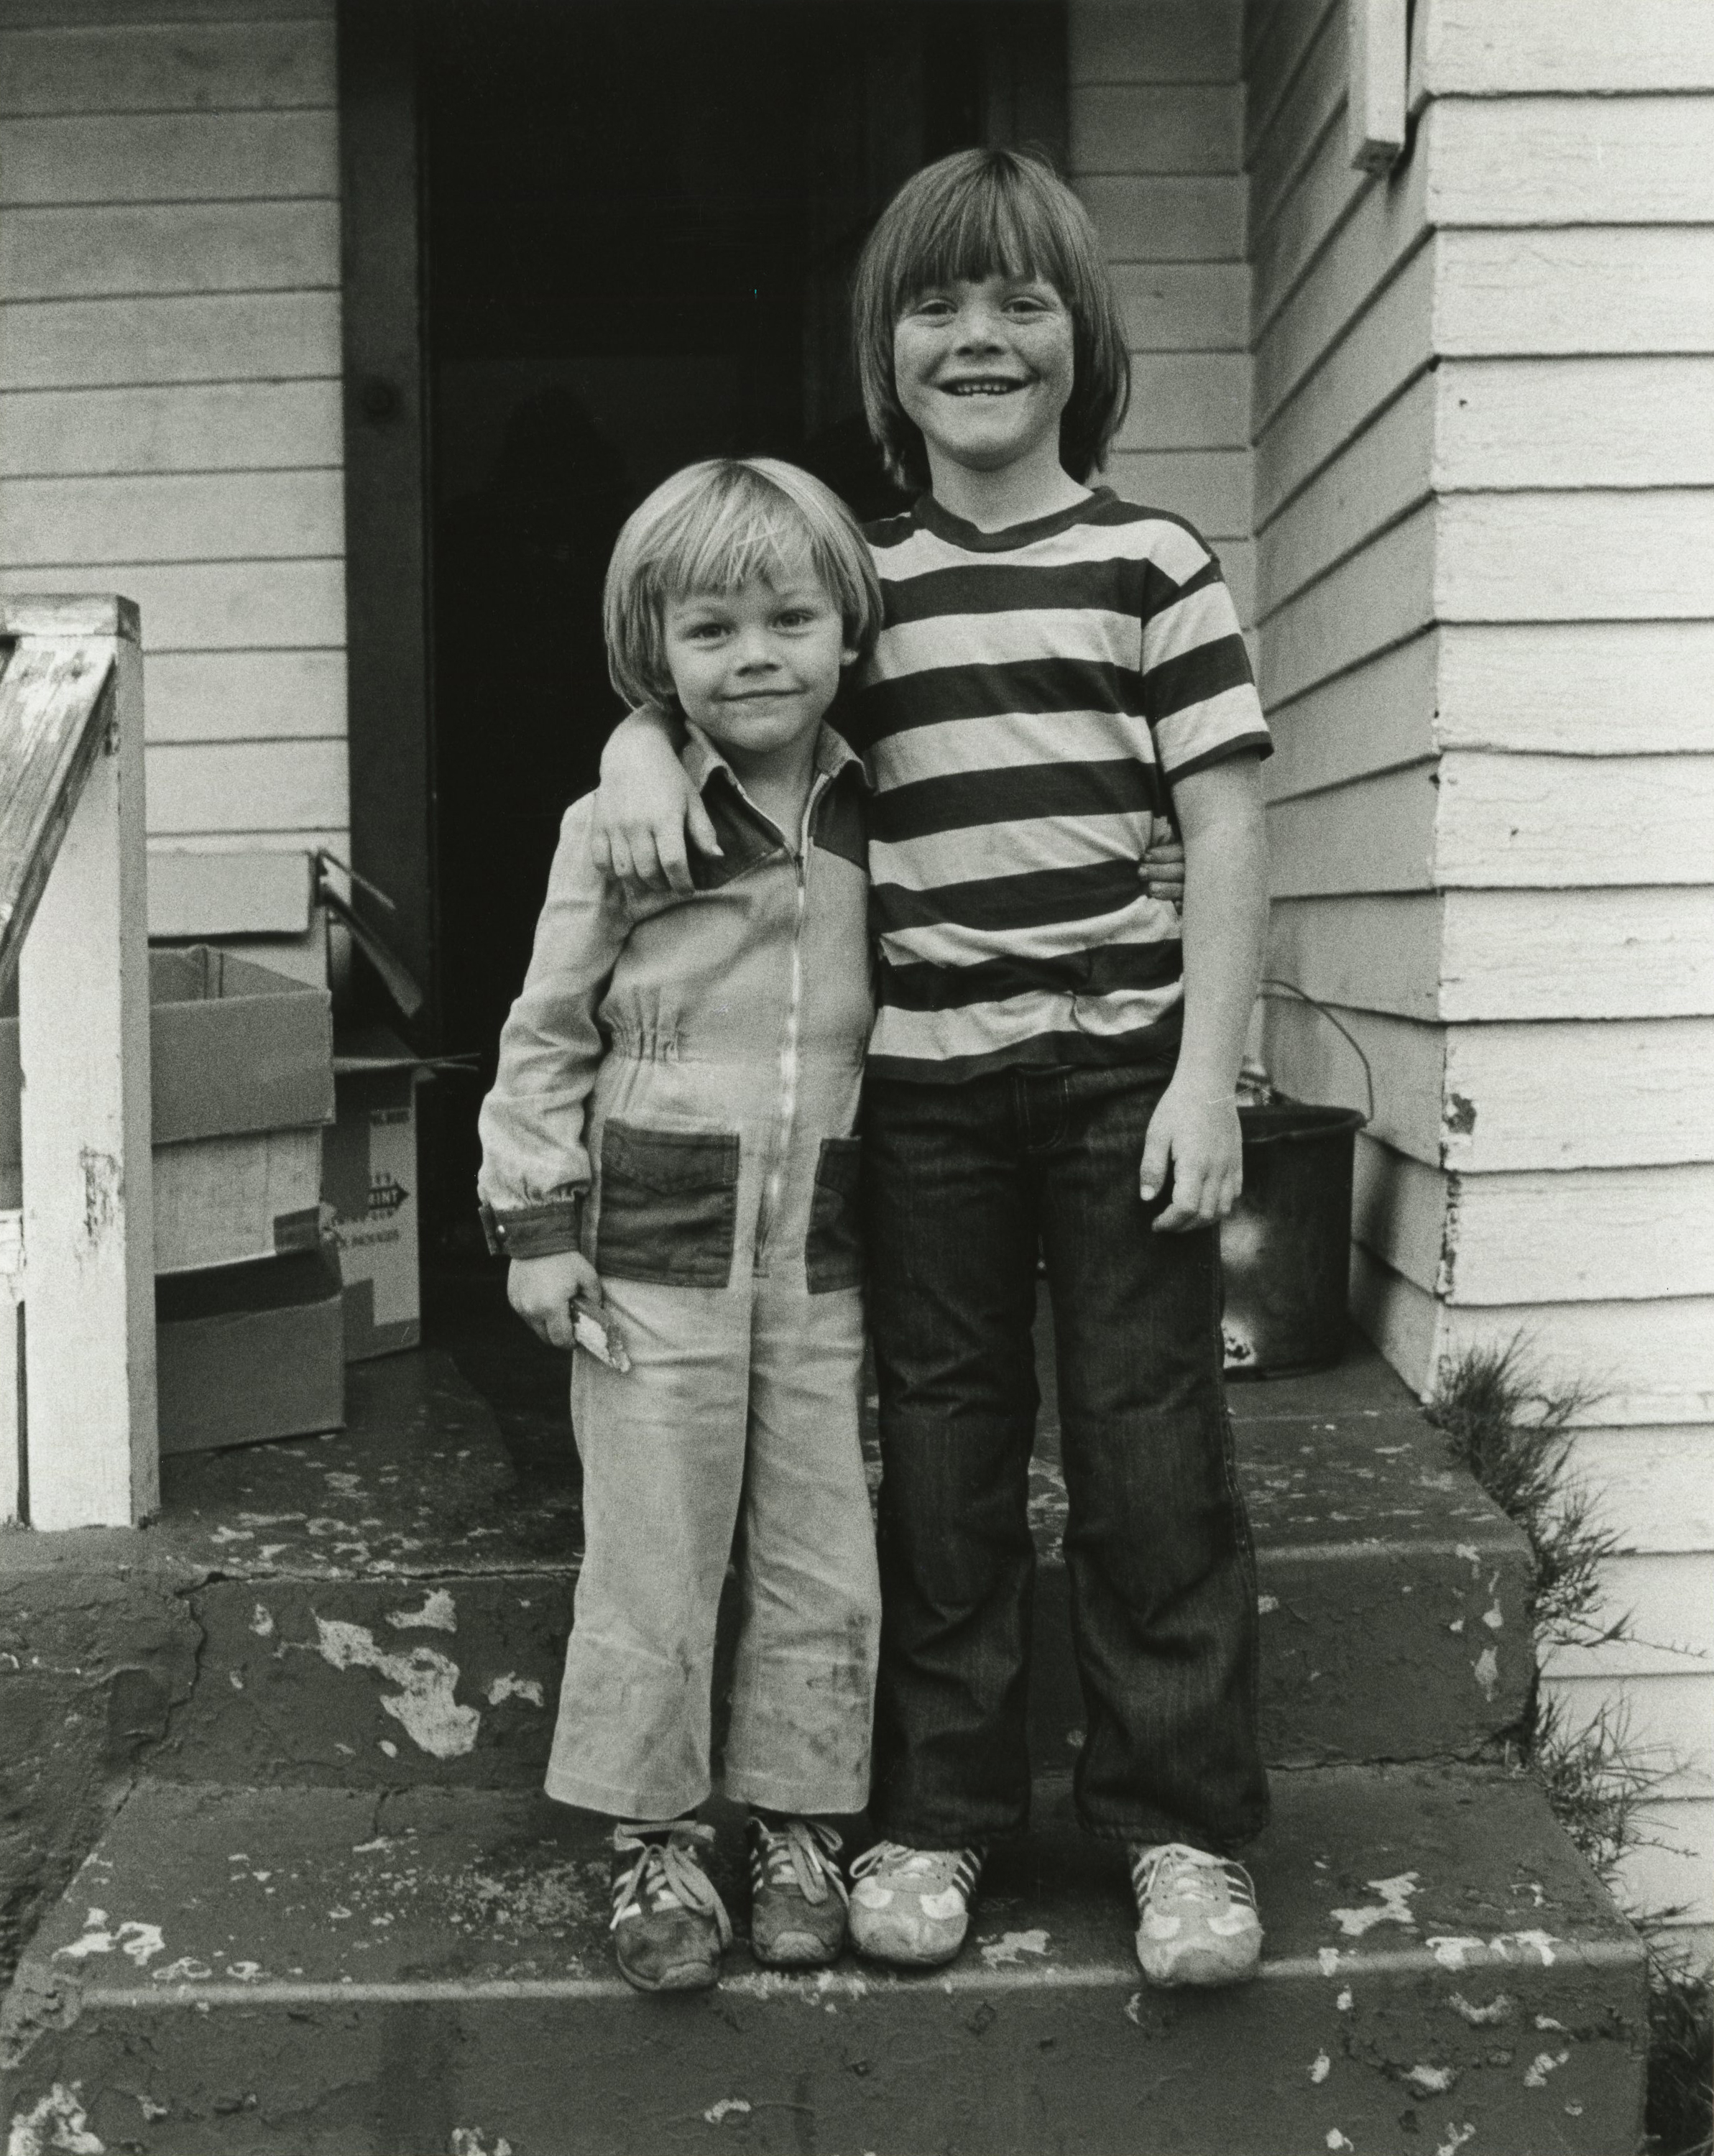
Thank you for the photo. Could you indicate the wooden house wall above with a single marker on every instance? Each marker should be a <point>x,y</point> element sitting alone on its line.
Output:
<point>170,414</point>
<point>1483,429</point>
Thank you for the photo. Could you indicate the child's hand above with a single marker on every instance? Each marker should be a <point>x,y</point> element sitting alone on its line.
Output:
<point>540,1290</point>
<point>1196,1139</point>
<point>1161,868</point>
<point>643,810</point>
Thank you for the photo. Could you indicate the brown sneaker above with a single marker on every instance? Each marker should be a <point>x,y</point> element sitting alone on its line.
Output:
<point>1196,1916</point>
<point>798,1897</point>
<point>668,1924</point>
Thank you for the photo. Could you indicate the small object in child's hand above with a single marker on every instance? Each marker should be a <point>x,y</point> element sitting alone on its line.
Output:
<point>597,1336</point>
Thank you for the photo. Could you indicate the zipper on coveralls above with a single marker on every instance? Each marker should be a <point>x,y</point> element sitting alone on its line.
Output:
<point>773,1182</point>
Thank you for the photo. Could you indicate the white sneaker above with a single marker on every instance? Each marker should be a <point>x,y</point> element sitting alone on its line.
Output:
<point>1196,1916</point>
<point>912,1905</point>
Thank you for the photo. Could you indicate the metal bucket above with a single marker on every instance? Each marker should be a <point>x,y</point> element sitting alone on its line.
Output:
<point>1286,1249</point>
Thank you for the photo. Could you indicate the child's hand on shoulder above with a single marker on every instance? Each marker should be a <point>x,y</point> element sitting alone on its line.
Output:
<point>646,809</point>
<point>1194,1143</point>
<point>541,1290</point>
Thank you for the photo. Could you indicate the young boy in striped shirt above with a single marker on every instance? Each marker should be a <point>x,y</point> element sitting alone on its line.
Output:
<point>1053,1067</point>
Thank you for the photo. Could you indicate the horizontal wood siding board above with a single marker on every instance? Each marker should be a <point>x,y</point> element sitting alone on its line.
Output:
<point>283,786</point>
<point>1547,161</point>
<point>1167,219</point>
<point>162,516</point>
<point>1210,487</point>
<point>134,250</point>
<point>1559,1094</point>
<point>243,426</point>
<point>1376,718</point>
<point>1188,401</point>
<point>208,606</point>
<point>1667,1719</point>
<point>199,156</point>
<point>1375,246</point>
<point>1565,822</point>
<point>1383,472</point>
<point>1475,49</point>
<point>1114,41</point>
<point>235,337</point>
<point>1652,1488</point>
<point>246,696</point>
<point>1137,128</point>
<point>1307,1058</point>
<point>1605,688</point>
<point>1278,156</point>
<point>1376,834</point>
<point>1668,1599</point>
<point>1668,1872</point>
<point>1637,555</point>
<point>1372,601</point>
<point>1579,289</point>
<point>1275,47</point>
<point>1184,307</point>
<point>164,66</point>
<point>1614,421</point>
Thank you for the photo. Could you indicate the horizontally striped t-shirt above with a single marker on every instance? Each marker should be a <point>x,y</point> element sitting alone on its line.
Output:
<point>1034,694</point>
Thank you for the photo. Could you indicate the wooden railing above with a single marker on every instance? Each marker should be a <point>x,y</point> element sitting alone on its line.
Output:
<point>77,1439</point>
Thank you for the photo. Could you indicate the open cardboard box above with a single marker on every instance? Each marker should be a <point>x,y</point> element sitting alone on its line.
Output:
<point>244,1353</point>
<point>369,1187</point>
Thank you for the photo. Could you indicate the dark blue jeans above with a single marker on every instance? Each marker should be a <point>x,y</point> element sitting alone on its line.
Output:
<point>962,1181</point>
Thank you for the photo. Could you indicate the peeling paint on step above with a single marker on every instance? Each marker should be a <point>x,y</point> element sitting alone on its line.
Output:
<point>424,1704</point>
<point>728,2107</point>
<point>262,1621</point>
<point>1322,2067</point>
<point>1456,2136</point>
<point>1394,1906</point>
<point>1543,2064</point>
<point>1499,2008</point>
<point>1335,2139</point>
<point>1486,1672</point>
<point>513,1686</point>
<point>471,2141</point>
<point>58,2122</point>
<point>1431,2080</point>
<point>138,1943</point>
<point>438,1613</point>
<point>1007,1948</point>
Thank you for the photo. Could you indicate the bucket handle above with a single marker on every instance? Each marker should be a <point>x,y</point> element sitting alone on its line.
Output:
<point>1270,988</point>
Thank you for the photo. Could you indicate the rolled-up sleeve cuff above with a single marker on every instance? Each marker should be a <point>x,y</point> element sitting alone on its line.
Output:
<point>534,1231</point>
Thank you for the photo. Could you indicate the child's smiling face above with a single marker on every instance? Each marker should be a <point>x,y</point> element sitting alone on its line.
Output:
<point>757,667</point>
<point>985,368</point>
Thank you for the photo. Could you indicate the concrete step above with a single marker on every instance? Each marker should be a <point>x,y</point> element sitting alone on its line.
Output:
<point>365,1972</point>
<point>390,1604</point>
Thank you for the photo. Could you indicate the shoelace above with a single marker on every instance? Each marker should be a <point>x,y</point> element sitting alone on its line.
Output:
<point>962,1867</point>
<point>1178,1869</point>
<point>797,1853</point>
<point>667,1874</point>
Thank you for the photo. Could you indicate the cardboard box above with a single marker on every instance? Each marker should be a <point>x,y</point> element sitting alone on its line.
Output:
<point>242,1081</point>
<point>268,903</point>
<point>369,1187</point>
<point>249,1352</point>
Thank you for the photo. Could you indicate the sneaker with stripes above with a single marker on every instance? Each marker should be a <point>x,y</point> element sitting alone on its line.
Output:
<point>911,1907</point>
<point>1196,1916</point>
<point>668,1923</point>
<point>798,1896</point>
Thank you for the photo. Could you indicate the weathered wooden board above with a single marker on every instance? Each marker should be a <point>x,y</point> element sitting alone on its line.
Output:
<point>1547,161</point>
<point>1375,598</point>
<point>1398,1212</point>
<point>1314,97</point>
<point>1211,487</point>
<point>1476,50</point>
<point>1574,823</point>
<point>1619,421</point>
<point>165,67</point>
<point>1654,1488</point>
<point>1575,290</point>
<point>167,516</point>
<point>231,336</point>
<point>1373,718</point>
<point>1578,688</point>
<point>1140,128</point>
<point>1184,307</point>
<point>217,1200</point>
<point>1374,357</point>
<point>248,426</point>
<point>1375,835</point>
<point>55,714</point>
<point>175,156</point>
<point>1113,41</point>
<point>1384,473</point>
<point>1188,401</point>
<point>1568,1094</point>
<point>246,696</point>
<point>1384,231</point>
<point>138,248</point>
<point>1668,1598</point>
<point>196,787</point>
<point>1160,219</point>
<point>1606,556</point>
<point>207,606</point>
<point>1306,1058</point>
<point>1277,40</point>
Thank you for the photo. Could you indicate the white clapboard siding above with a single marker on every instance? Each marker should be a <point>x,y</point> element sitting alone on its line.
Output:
<point>1473,48</point>
<point>1211,487</point>
<point>1554,160</point>
<point>213,606</point>
<point>196,787</point>
<point>1578,688</point>
<point>1614,421</point>
<point>1165,219</point>
<point>1307,1058</point>
<point>130,250</point>
<point>1375,835</point>
<point>246,696</point>
<point>1176,129</point>
<point>227,336</point>
<point>246,426</point>
<point>163,67</point>
<point>1574,821</point>
<point>1184,307</point>
<point>1659,1713</point>
<point>171,156</point>
<point>1114,41</point>
<point>1370,601</point>
<point>1278,154</point>
<point>1667,1602</point>
<point>1277,40</point>
<point>1650,1487</point>
<point>174,516</point>
<point>1580,289</point>
<point>1374,717</point>
<point>1632,555</point>
<point>1669,1872</point>
<point>1188,401</point>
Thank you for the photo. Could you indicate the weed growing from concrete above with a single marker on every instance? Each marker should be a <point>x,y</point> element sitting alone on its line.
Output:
<point>1508,1427</point>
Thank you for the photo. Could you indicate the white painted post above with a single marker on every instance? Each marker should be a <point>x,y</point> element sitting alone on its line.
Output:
<point>11,1368</point>
<point>93,1457</point>
<point>1378,53</point>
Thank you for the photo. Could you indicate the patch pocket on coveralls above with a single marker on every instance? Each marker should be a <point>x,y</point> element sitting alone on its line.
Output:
<point>669,1206</point>
<point>833,1253</point>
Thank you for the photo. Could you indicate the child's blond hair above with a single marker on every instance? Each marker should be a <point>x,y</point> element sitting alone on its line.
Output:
<point>712,527</point>
<point>984,213</point>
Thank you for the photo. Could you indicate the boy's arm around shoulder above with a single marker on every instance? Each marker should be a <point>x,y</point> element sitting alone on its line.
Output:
<point>646,808</point>
<point>535,1165</point>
